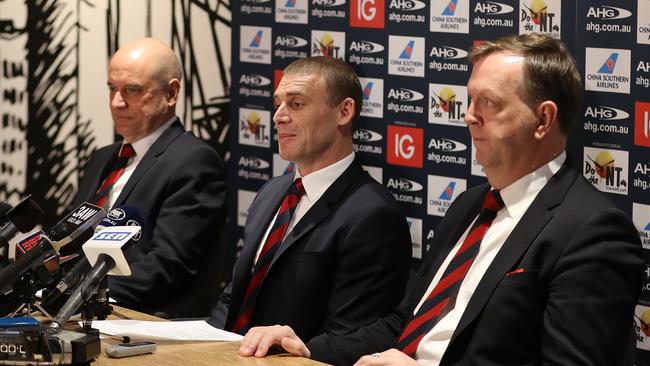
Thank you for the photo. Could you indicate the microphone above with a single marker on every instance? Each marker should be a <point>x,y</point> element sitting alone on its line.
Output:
<point>118,216</point>
<point>40,249</point>
<point>106,252</point>
<point>81,221</point>
<point>32,252</point>
<point>23,217</point>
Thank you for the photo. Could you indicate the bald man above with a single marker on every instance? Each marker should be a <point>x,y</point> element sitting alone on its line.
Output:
<point>173,179</point>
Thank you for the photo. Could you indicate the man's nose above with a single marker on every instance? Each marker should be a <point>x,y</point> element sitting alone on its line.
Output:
<point>470,115</point>
<point>117,101</point>
<point>280,115</point>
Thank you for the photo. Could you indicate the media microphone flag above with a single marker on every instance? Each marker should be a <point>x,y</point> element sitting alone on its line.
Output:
<point>118,216</point>
<point>22,218</point>
<point>105,252</point>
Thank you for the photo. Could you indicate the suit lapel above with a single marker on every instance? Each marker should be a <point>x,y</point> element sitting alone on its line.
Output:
<point>518,242</point>
<point>460,220</point>
<point>264,212</point>
<point>150,158</point>
<point>321,209</point>
<point>99,170</point>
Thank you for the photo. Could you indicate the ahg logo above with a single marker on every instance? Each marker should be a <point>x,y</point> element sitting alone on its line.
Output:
<point>365,47</point>
<point>403,184</point>
<point>364,135</point>
<point>367,13</point>
<point>492,8</point>
<point>254,80</point>
<point>405,95</point>
<point>405,146</point>
<point>607,12</point>
<point>605,113</point>
<point>290,41</point>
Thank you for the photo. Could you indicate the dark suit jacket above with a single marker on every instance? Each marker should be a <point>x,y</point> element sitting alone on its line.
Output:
<point>178,188</point>
<point>343,265</point>
<point>572,305</point>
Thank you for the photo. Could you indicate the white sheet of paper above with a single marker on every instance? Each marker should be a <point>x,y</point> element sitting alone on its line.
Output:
<point>194,330</point>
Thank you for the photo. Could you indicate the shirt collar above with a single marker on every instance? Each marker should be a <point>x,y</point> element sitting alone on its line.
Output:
<point>520,194</point>
<point>318,182</point>
<point>144,144</point>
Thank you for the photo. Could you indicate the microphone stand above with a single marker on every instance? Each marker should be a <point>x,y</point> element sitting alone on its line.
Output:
<point>26,288</point>
<point>96,305</point>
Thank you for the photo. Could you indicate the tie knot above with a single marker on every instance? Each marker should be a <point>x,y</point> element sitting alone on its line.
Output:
<point>127,151</point>
<point>493,201</point>
<point>297,188</point>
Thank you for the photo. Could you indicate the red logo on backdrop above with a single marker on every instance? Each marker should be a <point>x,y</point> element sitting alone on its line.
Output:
<point>642,123</point>
<point>405,146</point>
<point>277,76</point>
<point>367,13</point>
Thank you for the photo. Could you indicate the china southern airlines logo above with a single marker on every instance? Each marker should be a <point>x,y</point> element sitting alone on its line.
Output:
<point>367,91</point>
<point>450,10</point>
<point>448,192</point>
<point>610,63</point>
<point>290,4</point>
<point>408,51</point>
<point>255,43</point>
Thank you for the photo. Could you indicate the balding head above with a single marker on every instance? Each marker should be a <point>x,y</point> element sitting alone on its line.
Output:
<point>144,81</point>
<point>160,60</point>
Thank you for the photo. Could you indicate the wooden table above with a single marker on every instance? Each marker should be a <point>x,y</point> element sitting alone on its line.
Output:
<point>193,353</point>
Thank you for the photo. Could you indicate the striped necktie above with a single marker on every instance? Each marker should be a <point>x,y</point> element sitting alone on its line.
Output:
<point>275,237</point>
<point>102,194</point>
<point>443,297</point>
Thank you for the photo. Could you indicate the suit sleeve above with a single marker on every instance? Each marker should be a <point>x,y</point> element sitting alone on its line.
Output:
<point>592,293</point>
<point>219,313</point>
<point>192,208</point>
<point>370,277</point>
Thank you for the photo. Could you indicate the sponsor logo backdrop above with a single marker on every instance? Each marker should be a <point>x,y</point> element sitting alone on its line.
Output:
<point>411,56</point>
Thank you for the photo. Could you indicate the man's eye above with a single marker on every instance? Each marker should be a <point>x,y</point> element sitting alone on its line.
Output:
<point>297,104</point>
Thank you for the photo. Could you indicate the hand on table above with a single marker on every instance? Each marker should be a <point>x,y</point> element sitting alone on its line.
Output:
<point>259,340</point>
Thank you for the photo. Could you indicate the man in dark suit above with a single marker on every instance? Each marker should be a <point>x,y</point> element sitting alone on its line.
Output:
<point>550,271</point>
<point>326,249</point>
<point>173,180</point>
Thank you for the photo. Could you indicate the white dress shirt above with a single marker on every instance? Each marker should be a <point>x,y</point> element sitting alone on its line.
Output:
<point>517,198</point>
<point>315,185</point>
<point>140,147</point>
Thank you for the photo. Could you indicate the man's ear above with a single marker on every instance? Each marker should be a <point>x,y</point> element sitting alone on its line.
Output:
<point>547,117</point>
<point>173,89</point>
<point>346,111</point>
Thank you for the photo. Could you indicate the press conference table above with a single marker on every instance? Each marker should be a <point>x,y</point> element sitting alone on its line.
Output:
<point>192,353</point>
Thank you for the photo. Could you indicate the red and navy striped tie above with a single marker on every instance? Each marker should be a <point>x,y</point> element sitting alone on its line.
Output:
<point>443,297</point>
<point>101,196</point>
<point>276,235</point>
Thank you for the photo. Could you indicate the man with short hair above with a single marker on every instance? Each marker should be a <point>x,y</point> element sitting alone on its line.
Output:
<point>535,267</point>
<point>326,249</point>
<point>174,180</point>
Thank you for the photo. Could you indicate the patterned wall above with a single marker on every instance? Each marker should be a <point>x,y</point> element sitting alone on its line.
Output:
<point>53,96</point>
<point>411,57</point>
